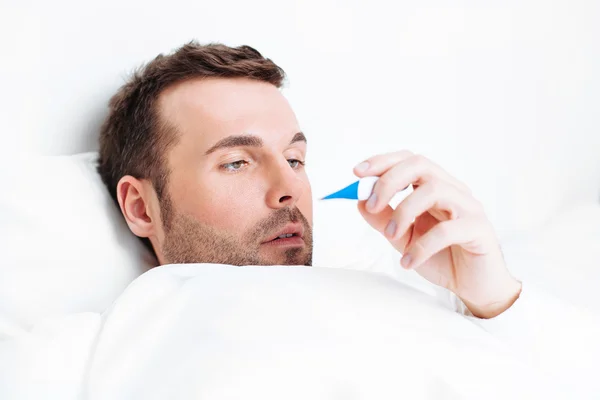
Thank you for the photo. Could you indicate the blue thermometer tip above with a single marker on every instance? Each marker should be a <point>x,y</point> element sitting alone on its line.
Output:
<point>361,190</point>
<point>349,192</point>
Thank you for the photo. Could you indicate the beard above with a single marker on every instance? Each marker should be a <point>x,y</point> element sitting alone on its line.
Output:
<point>188,240</point>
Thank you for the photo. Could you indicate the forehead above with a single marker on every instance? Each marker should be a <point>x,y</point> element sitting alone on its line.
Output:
<point>206,110</point>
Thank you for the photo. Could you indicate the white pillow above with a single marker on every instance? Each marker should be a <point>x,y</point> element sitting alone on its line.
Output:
<point>66,247</point>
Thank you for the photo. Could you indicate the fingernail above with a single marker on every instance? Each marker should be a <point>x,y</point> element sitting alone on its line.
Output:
<point>390,229</point>
<point>362,167</point>
<point>406,260</point>
<point>372,201</point>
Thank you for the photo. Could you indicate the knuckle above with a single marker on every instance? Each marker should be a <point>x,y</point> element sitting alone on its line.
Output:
<point>443,230</point>
<point>420,160</point>
<point>373,161</point>
<point>383,182</point>
<point>434,188</point>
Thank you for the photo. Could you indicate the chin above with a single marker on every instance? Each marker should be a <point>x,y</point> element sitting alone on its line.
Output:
<point>290,259</point>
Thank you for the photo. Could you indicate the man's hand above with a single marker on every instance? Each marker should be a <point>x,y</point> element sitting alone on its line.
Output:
<point>440,229</point>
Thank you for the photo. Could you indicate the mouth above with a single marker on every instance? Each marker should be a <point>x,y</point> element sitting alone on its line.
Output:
<point>291,235</point>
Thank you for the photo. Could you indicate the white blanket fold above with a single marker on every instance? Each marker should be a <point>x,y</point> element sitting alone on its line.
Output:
<point>223,332</point>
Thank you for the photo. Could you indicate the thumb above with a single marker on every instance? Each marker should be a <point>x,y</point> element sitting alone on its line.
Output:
<point>380,221</point>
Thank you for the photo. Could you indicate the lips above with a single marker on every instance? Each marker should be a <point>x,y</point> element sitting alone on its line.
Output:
<point>290,230</point>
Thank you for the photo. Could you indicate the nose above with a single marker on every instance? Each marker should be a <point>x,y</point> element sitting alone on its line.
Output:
<point>285,186</point>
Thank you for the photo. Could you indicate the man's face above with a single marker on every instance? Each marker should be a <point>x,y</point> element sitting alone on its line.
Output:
<point>236,177</point>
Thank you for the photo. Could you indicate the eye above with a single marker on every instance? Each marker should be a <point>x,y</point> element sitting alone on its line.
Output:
<point>234,166</point>
<point>295,164</point>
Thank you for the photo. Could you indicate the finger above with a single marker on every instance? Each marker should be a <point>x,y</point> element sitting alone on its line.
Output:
<point>442,200</point>
<point>445,234</point>
<point>380,163</point>
<point>379,223</point>
<point>415,170</point>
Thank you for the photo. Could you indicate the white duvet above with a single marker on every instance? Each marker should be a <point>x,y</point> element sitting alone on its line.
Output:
<point>223,332</point>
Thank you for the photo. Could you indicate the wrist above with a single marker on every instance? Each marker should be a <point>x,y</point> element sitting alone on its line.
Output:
<point>496,307</point>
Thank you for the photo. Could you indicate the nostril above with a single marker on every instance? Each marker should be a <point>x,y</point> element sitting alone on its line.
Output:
<point>284,199</point>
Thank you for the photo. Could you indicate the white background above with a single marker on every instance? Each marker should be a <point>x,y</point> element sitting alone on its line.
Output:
<point>503,94</point>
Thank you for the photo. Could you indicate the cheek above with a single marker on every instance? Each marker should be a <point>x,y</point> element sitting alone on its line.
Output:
<point>221,207</point>
<point>305,204</point>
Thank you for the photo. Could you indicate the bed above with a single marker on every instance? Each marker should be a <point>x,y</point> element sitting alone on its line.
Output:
<point>84,313</point>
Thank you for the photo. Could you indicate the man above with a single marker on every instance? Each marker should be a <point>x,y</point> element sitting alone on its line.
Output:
<point>205,158</point>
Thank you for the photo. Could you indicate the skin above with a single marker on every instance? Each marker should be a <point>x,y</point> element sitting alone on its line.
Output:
<point>225,202</point>
<point>441,230</point>
<point>236,177</point>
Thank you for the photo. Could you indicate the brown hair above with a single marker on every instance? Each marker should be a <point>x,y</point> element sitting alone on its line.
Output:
<point>134,140</point>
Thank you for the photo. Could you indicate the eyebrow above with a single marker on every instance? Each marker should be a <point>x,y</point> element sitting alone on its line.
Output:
<point>247,141</point>
<point>298,137</point>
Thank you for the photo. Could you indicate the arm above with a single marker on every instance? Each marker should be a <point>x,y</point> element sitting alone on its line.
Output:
<point>445,236</point>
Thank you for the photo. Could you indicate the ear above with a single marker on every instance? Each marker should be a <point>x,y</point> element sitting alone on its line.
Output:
<point>136,199</point>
